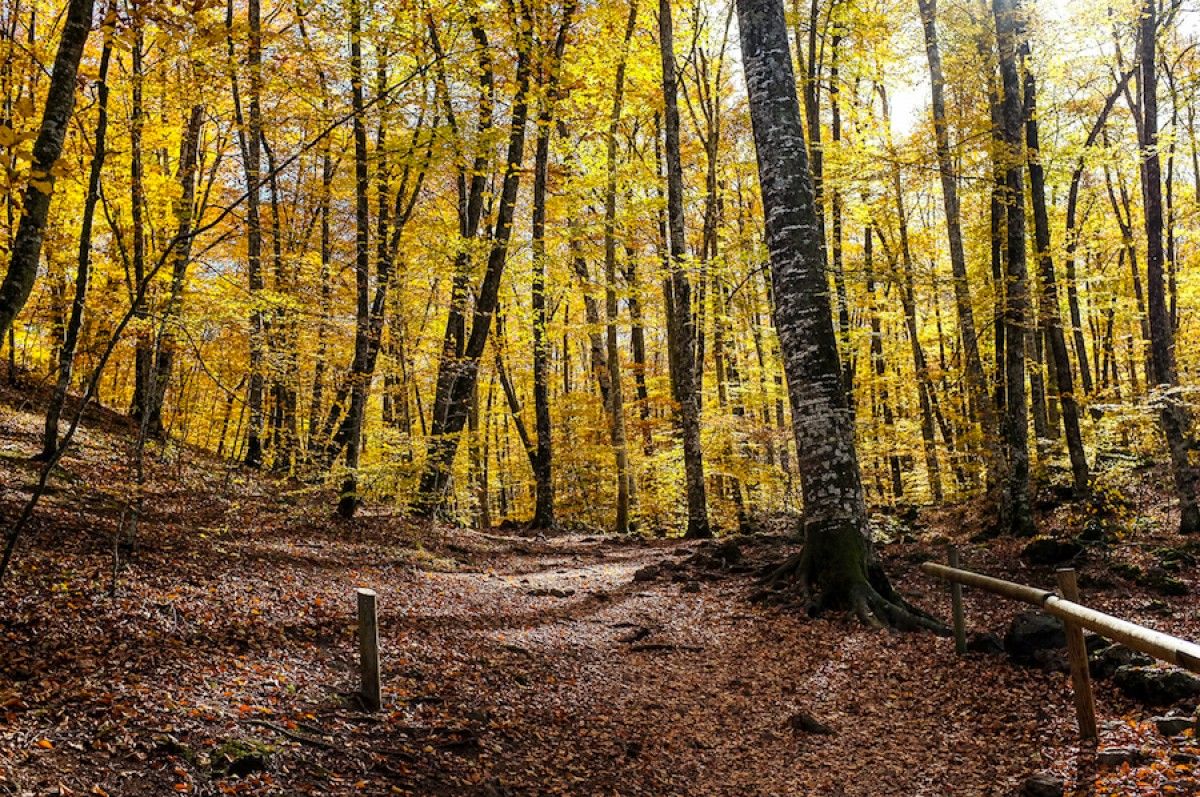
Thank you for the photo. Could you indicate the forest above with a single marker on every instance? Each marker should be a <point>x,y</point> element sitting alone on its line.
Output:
<point>637,354</point>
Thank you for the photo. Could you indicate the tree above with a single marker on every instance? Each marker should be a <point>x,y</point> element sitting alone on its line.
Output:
<point>835,567</point>
<point>681,330</point>
<point>83,265</point>
<point>973,362</point>
<point>35,208</point>
<point>1016,514</point>
<point>1173,413</point>
<point>458,367</point>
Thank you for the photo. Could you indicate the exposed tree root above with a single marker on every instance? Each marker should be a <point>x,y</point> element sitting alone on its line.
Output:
<point>872,598</point>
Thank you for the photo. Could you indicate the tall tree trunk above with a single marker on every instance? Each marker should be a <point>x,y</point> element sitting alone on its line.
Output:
<point>836,565</point>
<point>184,210</point>
<point>879,366</point>
<point>1072,234</point>
<point>84,264</point>
<point>543,513</point>
<point>977,384</point>
<point>926,397</point>
<point>1173,413</point>
<point>616,400</point>
<point>1059,358</point>
<point>1016,514</point>
<point>458,373</point>
<point>252,147</point>
<point>681,326</point>
<point>144,352</point>
<point>47,148</point>
<point>359,378</point>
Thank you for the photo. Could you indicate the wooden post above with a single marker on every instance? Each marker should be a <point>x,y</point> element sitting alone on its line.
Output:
<point>368,649</point>
<point>1081,679</point>
<point>956,604</point>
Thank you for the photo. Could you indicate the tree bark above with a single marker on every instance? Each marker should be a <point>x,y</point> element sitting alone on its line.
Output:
<point>976,380</point>
<point>359,374</point>
<point>47,148</point>
<point>681,326</point>
<point>616,400</point>
<point>184,211</point>
<point>84,263</point>
<point>835,565</point>
<point>459,371</point>
<point>1173,413</point>
<point>1059,357</point>
<point>252,149</point>
<point>1016,515</point>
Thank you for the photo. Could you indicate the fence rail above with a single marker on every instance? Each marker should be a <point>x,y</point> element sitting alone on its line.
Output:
<point>1075,617</point>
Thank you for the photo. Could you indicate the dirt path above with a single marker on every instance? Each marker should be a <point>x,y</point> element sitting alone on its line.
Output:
<point>683,687</point>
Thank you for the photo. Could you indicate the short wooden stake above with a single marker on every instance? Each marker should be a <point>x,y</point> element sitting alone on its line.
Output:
<point>368,649</point>
<point>956,604</point>
<point>1081,679</point>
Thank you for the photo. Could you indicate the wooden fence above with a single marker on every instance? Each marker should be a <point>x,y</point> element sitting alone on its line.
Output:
<point>1075,617</point>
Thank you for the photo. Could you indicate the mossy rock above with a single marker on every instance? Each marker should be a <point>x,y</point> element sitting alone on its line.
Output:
<point>241,757</point>
<point>1126,570</point>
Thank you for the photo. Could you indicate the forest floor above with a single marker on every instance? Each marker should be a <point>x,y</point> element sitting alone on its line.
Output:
<point>512,665</point>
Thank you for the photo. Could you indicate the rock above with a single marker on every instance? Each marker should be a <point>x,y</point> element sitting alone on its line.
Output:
<point>727,552</point>
<point>1163,582</point>
<point>1157,686</point>
<point>551,592</point>
<point>241,757</point>
<point>988,644</point>
<point>1172,726</point>
<point>1174,559</point>
<point>1126,570</point>
<point>647,573</point>
<point>691,586</point>
<point>1107,661</point>
<point>803,722</point>
<point>1034,638</point>
<point>1048,552</point>
<point>1043,784</point>
<point>1116,756</point>
<point>1093,533</point>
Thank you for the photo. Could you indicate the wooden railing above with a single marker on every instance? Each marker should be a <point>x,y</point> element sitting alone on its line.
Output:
<point>1075,617</point>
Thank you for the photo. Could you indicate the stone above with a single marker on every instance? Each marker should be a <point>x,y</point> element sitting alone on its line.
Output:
<point>647,573</point>
<point>1033,638</point>
<point>1043,784</point>
<point>1163,583</point>
<point>1157,686</point>
<point>1048,552</point>
<point>988,644</point>
<point>551,592</point>
<point>1093,533</point>
<point>1116,756</point>
<point>803,722</point>
<point>1172,726</point>
<point>1107,661</point>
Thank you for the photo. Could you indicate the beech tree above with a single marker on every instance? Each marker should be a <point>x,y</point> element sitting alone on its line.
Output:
<point>835,567</point>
